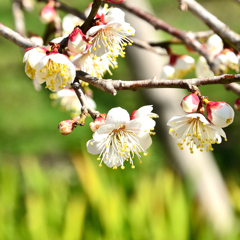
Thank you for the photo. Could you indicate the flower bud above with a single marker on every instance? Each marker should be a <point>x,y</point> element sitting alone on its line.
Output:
<point>190,103</point>
<point>219,113</point>
<point>237,104</point>
<point>48,13</point>
<point>98,122</point>
<point>77,41</point>
<point>66,127</point>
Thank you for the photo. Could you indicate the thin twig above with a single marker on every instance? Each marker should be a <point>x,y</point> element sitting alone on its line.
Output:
<point>145,45</point>
<point>234,87</point>
<point>229,36</point>
<point>18,17</point>
<point>86,107</point>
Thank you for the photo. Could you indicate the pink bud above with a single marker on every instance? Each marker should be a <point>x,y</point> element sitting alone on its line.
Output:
<point>132,116</point>
<point>97,123</point>
<point>66,127</point>
<point>190,103</point>
<point>77,42</point>
<point>48,13</point>
<point>220,114</point>
<point>114,1</point>
<point>237,104</point>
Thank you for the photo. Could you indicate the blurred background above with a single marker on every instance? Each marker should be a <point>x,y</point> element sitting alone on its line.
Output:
<point>51,188</point>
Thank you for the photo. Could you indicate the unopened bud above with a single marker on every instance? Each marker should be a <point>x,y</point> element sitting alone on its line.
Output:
<point>190,103</point>
<point>237,104</point>
<point>97,123</point>
<point>77,41</point>
<point>219,113</point>
<point>48,13</point>
<point>66,127</point>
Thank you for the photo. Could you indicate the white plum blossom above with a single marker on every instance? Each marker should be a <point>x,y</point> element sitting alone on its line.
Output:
<point>120,138</point>
<point>167,72</point>
<point>94,66</point>
<point>56,70</point>
<point>178,67</point>
<point>31,58</point>
<point>68,101</point>
<point>223,59</point>
<point>110,33</point>
<point>214,44</point>
<point>202,68</point>
<point>195,131</point>
<point>220,113</point>
<point>69,22</point>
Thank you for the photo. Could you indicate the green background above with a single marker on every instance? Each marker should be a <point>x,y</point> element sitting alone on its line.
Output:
<point>51,188</point>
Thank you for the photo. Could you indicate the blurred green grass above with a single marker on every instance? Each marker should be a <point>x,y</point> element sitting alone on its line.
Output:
<point>50,188</point>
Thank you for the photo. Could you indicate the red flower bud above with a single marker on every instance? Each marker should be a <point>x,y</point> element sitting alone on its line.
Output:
<point>190,103</point>
<point>66,127</point>
<point>237,104</point>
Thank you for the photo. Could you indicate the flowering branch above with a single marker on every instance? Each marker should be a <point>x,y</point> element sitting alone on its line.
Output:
<point>232,38</point>
<point>112,86</point>
<point>187,38</point>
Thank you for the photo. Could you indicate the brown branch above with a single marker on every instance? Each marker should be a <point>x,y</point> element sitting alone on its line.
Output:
<point>234,87</point>
<point>112,86</point>
<point>66,8</point>
<point>86,108</point>
<point>229,36</point>
<point>87,24</point>
<point>187,38</point>
<point>15,37</point>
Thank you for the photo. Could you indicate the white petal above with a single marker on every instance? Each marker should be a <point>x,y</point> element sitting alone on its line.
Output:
<point>95,147</point>
<point>117,116</point>
<point>42,62</point>
<point>103,131</point>
<point>143,111</point>
<point>140,125</point>
<point>93,30</point>
<point>145,141</point>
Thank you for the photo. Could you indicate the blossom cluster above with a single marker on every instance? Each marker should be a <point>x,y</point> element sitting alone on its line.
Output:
<point>224,59</point>
<point>119,137</point>
<point>94,52</point>
<point>197,131</point>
